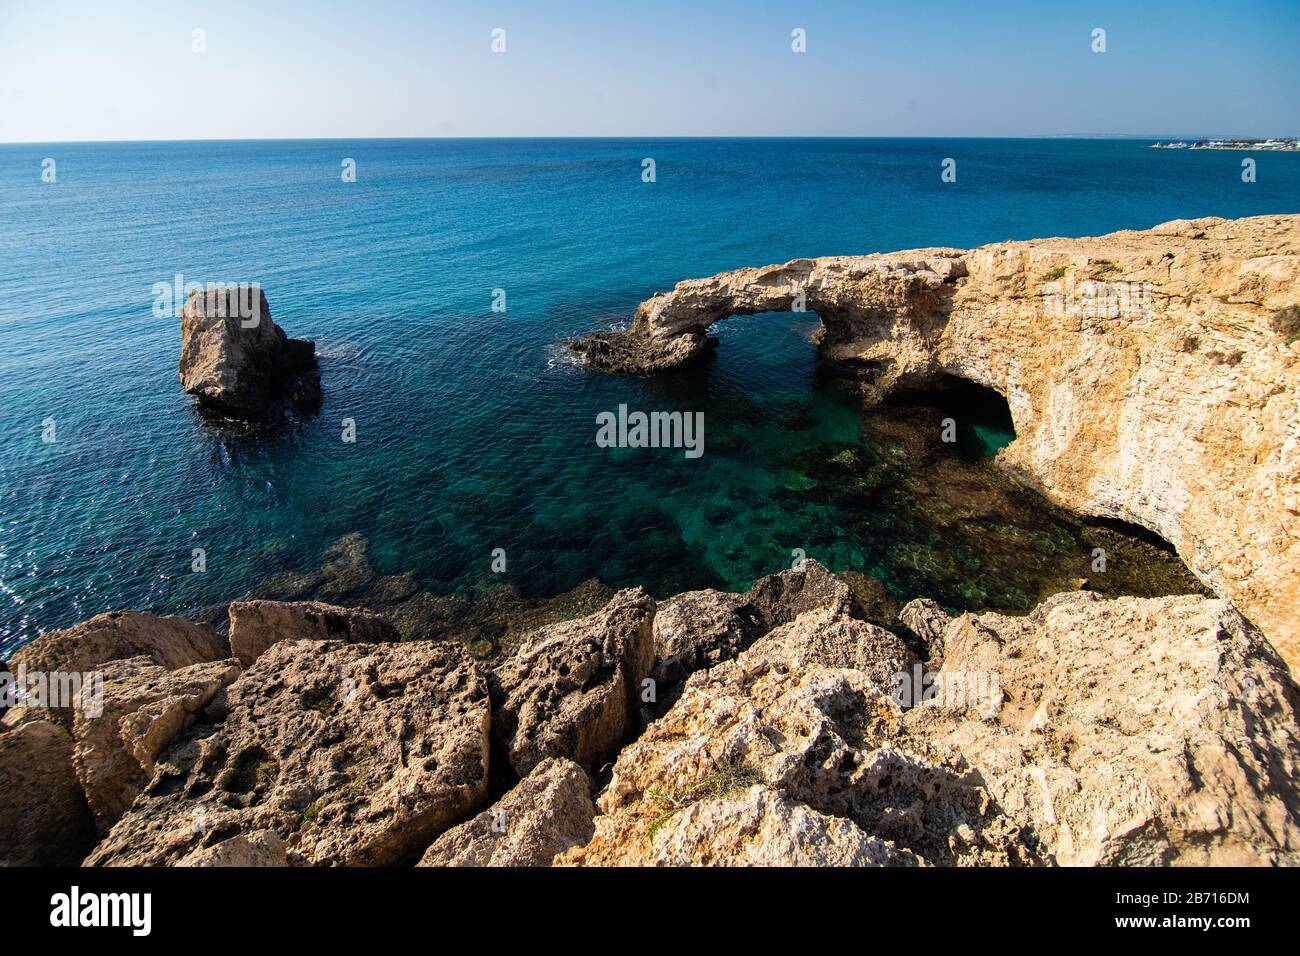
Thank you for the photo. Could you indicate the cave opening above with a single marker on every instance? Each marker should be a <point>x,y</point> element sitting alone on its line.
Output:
<point>981,414</point>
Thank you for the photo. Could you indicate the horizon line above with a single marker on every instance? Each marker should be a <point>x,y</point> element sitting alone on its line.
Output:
<point>647,136</point>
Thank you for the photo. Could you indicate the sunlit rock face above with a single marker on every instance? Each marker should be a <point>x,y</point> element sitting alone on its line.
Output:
<point>237,362</point>
<point>1090,732</point>
<point>1144,374</point>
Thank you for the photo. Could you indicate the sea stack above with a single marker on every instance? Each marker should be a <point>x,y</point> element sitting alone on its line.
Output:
<point>237,362</point>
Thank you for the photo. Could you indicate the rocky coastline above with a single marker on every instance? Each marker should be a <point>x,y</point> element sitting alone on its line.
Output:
<point>343,718</point>
<point>773,727</point>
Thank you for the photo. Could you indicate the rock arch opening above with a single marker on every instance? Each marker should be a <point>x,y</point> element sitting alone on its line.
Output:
<point>980,416</point>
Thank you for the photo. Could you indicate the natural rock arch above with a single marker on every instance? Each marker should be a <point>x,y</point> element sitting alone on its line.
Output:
<point>1143,375</point>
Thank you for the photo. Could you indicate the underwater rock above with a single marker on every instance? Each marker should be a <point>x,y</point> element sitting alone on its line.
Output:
<point>491,625</point>
<point>236,361</point>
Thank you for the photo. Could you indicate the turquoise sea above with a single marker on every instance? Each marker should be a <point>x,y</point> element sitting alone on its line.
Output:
<point>473,431</point>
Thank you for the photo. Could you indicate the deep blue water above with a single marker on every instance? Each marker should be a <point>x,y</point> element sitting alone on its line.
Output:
<point>473,432</point>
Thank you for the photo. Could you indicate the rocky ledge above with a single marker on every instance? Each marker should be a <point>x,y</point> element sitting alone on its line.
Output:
<point>776,727</point>
<point>1152,377</point>
<point>237,362</point>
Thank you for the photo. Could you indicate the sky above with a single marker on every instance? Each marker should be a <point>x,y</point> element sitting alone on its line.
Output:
<point>129,70</point>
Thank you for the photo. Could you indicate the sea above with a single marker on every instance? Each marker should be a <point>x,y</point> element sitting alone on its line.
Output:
<point>439,283</point>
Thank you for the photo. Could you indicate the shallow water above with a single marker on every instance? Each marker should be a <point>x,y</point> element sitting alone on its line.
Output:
<point>473,432</point>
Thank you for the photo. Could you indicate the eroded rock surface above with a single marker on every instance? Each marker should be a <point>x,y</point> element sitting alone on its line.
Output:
<point>170,642</point>
<point>548,812</point>
<point>263,848</point>
<point>698,629</point>
<point>144,708</point>
<point>573,689</point>
<point>760,827</point>
<point>636,352</point>
<point>81,651</point>
<point>356,754</point>
<point>44,820</point>
<point>236,361</point>
<point>829,638</point>
<point>926,621</point>
<point>823,737</point>
<point>780,598</point>
<point>1144,376</point>
<point>1133,731</point>
<point>1129,731</point>
<point>256,625</point>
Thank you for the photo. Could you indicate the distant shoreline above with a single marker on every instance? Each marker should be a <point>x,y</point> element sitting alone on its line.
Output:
<point>1269,145</point>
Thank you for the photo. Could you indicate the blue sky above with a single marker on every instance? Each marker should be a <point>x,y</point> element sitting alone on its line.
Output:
<point>126,70</point>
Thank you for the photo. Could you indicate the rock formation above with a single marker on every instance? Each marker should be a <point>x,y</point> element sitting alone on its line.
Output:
<point>236,361</point>
<point>44,820</point>
<point>261,848</point>
<point>356,754</point>
<point>697,629</point>
<point>1130,731</point>
<point>65,768</point>
<point>573,689</point>
<point>1143,373</point>
<point>256,625</point>
<point>170,642</point>
<point>1092,731</point>
<point>926,623</point>
<point>761,827</point>
<point>144,708</point>
<point>549,812</point>
<point>825,738</point>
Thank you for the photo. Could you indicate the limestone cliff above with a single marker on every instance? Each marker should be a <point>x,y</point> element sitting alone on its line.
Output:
<point>1146,373</point>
